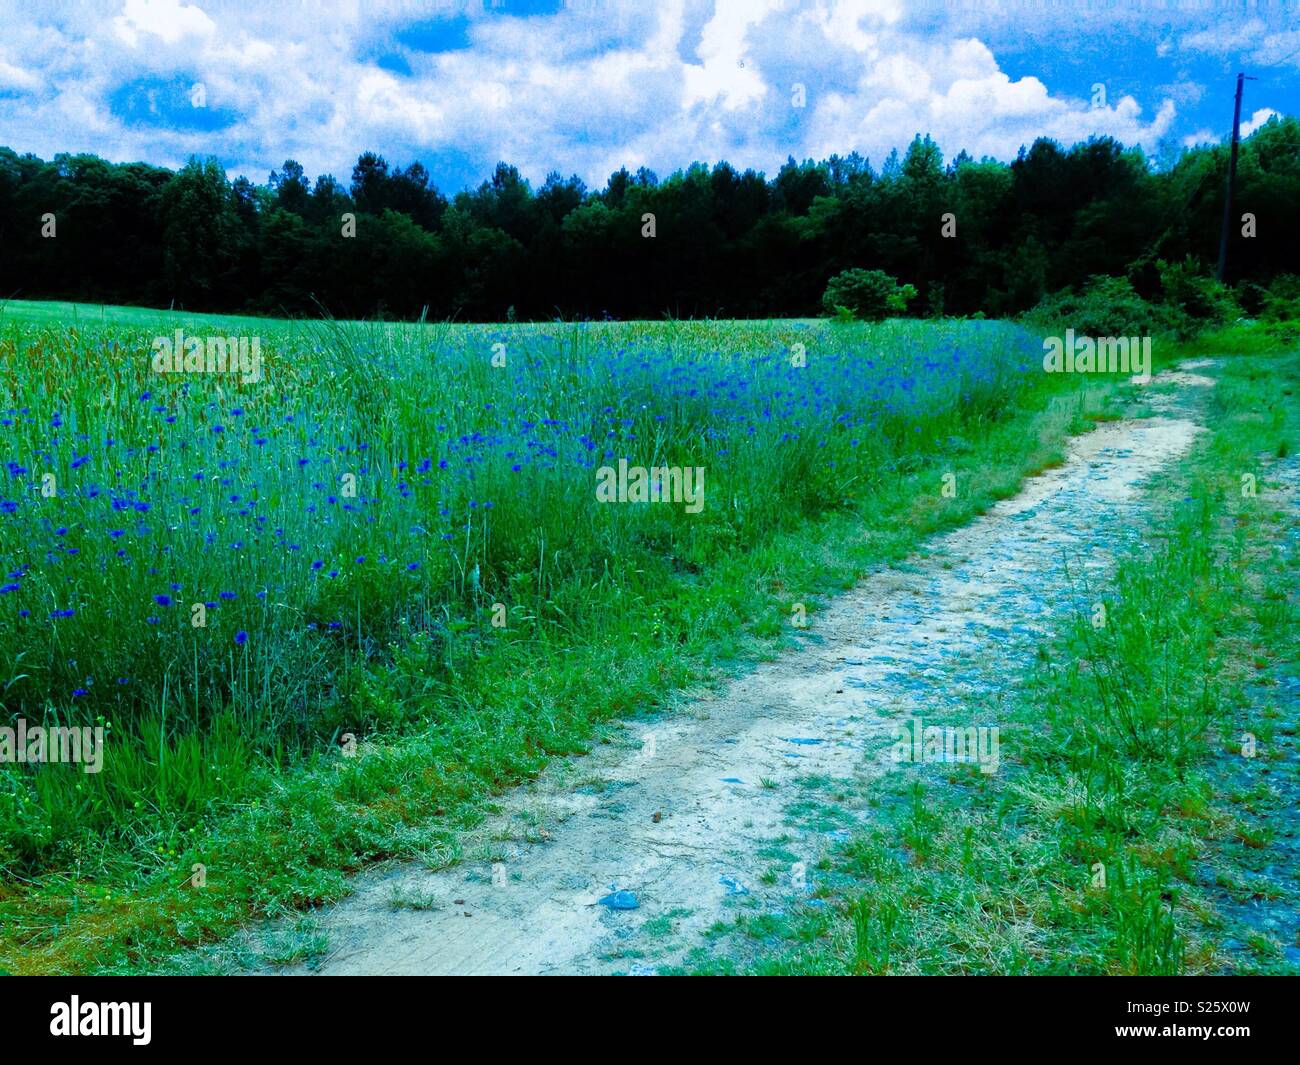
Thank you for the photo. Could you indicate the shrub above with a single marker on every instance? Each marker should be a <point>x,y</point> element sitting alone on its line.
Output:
<point>1281,300</point>
<point>1107,306</point>
<point>870,295</point>
<point>1201,299</point>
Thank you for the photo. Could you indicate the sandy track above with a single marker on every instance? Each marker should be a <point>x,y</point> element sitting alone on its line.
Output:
<point>680,813</point>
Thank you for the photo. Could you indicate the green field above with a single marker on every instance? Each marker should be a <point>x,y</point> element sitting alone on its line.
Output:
<point>388,541</point>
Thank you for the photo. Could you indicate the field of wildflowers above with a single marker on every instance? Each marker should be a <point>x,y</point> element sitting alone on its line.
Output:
<point>212,568</point>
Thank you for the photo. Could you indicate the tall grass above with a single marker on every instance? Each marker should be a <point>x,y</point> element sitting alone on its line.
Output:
<point>372,614</point>
<point>608,606</point>
<point>474,485</point>
<point>175,490</point>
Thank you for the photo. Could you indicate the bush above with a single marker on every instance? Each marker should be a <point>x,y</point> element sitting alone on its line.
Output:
<point>869,295</point>
<point>1281,301</point>
<point>1107,306</point>
<point>1280,309</point>
<point>1200,299</point>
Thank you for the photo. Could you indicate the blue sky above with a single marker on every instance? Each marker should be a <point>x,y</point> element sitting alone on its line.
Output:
<point>586,86</point>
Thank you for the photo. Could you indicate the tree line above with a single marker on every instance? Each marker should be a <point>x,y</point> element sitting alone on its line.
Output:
<point>972,236</point>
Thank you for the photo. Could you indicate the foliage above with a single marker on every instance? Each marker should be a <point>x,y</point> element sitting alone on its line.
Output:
<point>1105,306</point>
<point>868,295</point>
<point>726,243</point>
<point>1281,300</point>
<point>1201,300</point>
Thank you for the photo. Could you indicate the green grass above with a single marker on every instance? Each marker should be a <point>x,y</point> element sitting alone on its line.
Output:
<point>227,754</point>
<point>1125,822</point>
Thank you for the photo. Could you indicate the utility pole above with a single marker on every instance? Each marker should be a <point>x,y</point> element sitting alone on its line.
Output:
<point>1232,179</point>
